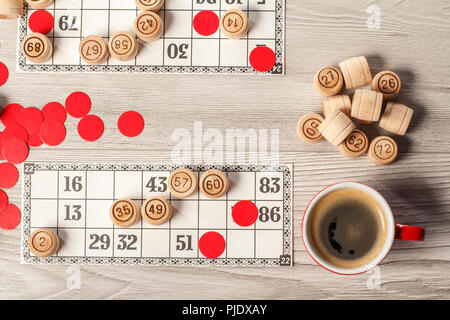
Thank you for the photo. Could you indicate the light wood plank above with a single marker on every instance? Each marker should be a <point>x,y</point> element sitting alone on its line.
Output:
<point>413,41</point>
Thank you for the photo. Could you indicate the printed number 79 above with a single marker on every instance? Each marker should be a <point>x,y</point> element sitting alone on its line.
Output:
<point>65,25</point>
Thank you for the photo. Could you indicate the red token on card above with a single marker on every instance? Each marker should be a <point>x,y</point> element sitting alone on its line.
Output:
<point>53,132</point>
<point>244,213</point>
<point>8,175</point>
<point>41,21</point>
<point>10,217</point>
<point>206,22</point>
<point>262,59</point>
<point>212,245</point>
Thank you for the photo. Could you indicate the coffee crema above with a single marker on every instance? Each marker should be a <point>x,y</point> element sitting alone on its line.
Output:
<point>347,228</point>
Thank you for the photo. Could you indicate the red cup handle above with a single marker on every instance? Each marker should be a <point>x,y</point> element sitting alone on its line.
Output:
<point>403,232</point>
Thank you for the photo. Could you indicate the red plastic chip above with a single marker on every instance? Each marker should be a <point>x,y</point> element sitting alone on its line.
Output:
<point>41,21</point>
<point>10,114</point>
<point>262,59</point>
<point>131,124</point>
<point>3,200</point>
<point>78,104</point>
<point>15,150</point>
<point>8,175</point>
<point>31,119</point>
<point>4,73</point>
<point>34,140</point>
<point>54,111</point>
<point>14,131</point>
<point>10,217</point>
<point>53,132</point>
<point>212,245</point>
<point>1,146</point>
<point>91,128</point>
<point>206,22</point>
<point>245,213</point>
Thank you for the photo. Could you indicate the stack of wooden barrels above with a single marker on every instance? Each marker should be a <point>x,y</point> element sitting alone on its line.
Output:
<point>337,125</point>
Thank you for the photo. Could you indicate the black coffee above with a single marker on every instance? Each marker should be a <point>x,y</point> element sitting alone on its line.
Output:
<point>348,228</point>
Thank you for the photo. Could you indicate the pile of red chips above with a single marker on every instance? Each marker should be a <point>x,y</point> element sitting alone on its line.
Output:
<point>32,127</point>
<point>9,213</point>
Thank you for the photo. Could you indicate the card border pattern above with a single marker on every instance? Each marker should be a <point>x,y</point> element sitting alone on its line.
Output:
<point>285,260</point>
<point>278,69</point>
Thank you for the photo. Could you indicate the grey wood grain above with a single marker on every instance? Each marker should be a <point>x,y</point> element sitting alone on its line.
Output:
<point>413,41</point>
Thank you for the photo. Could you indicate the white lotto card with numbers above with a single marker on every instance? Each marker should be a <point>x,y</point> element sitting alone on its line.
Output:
<point>74,200</point>
<point>184,46</point>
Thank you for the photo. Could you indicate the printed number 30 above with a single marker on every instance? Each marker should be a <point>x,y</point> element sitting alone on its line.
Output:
<point>180,52</point>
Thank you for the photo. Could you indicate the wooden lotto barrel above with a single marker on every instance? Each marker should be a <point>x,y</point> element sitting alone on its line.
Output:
<point>123,46</point>
<point>39,4</point>
<point>11,9</point>
<point>43,243</point>
<point>124,213</point>
<point>396,118</point>
<point>214,184</point>
<point>94,50</point>
<point>383,150</point>
<point>366,105</point>
<point>329,81</point>
<point>356,72</point>
<point>340,102</point>
<point>336,127</point>
<point>148,26</point>
<point>307,128</point>
<point>149,5</point>
<point>37,48</point>
<point>156,211</point>
<point>234,24</point>
<point>355,145</point>
<point>388,83</point>
<point>183,183</point>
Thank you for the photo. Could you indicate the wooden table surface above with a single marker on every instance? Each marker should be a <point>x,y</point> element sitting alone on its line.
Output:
<point>413,40</point>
